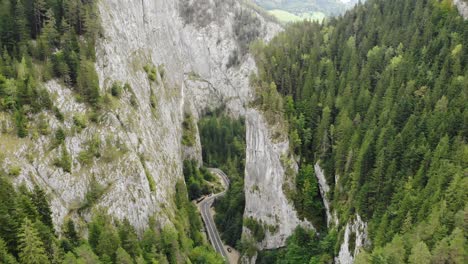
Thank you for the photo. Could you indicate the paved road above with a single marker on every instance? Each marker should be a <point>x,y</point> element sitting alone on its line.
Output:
<point>210,226</point>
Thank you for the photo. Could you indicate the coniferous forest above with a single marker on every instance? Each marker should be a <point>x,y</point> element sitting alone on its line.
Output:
<point>27,234</point>
<point>41,40</point>
<point>378,97</point>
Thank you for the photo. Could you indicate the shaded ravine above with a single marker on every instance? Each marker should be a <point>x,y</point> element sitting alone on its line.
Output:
<point>210,226</point>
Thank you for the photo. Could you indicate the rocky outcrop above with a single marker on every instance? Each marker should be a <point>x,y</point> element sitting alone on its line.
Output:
<point>355,230</point>
<point>264,181</point>
<point>324,189</point>
<point>462,6</point>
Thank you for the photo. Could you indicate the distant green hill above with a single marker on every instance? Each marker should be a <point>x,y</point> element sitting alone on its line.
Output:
<point>298,7</point>
<point>285,16</point>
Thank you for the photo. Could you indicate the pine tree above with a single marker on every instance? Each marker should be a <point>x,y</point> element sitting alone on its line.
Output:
<point>71,234</point>
<point>123,257</point>
<point>39,9</point>
<point>5,256</point>
<point>88,82</point>
<point>49,36</point>
<point>129,238</point>
<point>22,35</point>
<point>108,242</point>
<point>21,124</point>
<point>420,254</point>
<point>86,255</point>
<point>70,259</point>
<point>31,247</point>
<point>39,200</point>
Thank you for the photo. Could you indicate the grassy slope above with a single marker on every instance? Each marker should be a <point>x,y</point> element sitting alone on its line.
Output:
<point>287,17</point>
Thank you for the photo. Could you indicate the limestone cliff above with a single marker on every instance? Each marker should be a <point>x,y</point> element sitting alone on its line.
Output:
<point>264,181</point>
<point>357,230</point>
<point>199,64</point>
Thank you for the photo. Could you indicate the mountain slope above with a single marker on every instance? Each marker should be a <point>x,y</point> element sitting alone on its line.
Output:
<point>376,103</point>
<point>328,7</point>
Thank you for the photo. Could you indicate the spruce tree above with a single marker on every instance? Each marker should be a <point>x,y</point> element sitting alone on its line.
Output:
<point>31,247</point>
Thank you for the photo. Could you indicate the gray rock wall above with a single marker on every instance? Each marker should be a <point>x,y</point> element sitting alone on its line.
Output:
<point>264,179</point>
<point>462,7</point>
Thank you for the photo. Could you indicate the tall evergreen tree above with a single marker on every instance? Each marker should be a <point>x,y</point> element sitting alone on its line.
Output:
<point>31,247</point>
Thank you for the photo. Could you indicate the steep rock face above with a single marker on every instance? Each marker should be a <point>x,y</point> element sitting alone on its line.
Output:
<point>462,6</point>
<point>264,180</point>
<point>357,230</point>
<point>194,54</point>
<point>324,189</point>
<point>140,134</point>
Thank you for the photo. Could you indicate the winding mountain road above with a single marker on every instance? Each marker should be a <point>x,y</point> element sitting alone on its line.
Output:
<point>205,209</point>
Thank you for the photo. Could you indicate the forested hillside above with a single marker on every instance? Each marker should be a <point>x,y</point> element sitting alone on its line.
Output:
<point>378,97</point>
<point>28,236</point>
<point>41,40</point>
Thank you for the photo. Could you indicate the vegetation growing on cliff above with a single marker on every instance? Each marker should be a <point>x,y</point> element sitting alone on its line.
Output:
<point>378,97</point>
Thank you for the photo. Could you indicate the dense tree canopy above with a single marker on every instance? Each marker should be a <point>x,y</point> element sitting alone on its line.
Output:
<point>41,40</point>
<point>27,234</point>
<point>379,98</point>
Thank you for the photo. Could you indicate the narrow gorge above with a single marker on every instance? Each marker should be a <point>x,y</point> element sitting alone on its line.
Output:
<point>180,131</point>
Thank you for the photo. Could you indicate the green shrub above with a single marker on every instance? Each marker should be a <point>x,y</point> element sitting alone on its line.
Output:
<point>153,100</point>
<point>80,121</point>
<point>162,71</point>
<point>257,229</point>
<point>58,114</point>
<point>152,72</point>
<point>59,138</point>
<point>149,177</point>
<point>21,124</point>
<point>43,125</point>
<point>113,150</point>
<point>92,151</point>
<point>65,160</point>
<point>116,89</point>
<point>94,116</point>
<point>133,99</point>
<point>188,131</point>
<point>14,171</point>
<point>95,191</point>
<point>84,157</point>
